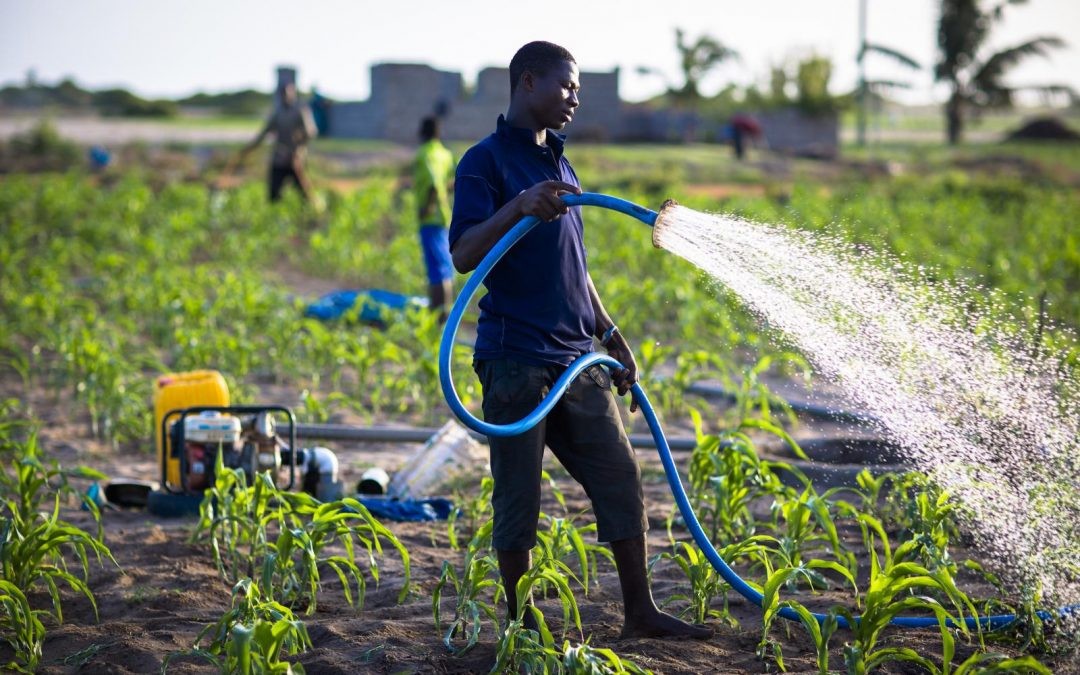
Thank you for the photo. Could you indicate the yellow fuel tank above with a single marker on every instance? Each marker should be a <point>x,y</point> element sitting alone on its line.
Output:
<point>183,390</point>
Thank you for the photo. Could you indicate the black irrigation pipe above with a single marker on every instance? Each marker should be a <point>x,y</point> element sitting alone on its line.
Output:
<point>813,409</point>
<point>380,434</point>
<point>384,434</point>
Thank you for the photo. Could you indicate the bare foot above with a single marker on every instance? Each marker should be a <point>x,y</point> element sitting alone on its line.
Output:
<point>663,625</point>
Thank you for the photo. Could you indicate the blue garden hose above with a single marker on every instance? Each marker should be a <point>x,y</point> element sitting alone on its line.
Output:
<point>682,501</point>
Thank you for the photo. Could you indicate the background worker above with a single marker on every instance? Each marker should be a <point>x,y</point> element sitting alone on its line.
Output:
<point>541,312</point>
<point>292,127</point>
<point>433,178</point>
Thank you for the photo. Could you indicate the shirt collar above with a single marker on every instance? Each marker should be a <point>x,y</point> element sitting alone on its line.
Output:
<point>555,140</point>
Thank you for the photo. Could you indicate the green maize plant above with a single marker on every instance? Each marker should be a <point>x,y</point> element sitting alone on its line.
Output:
<point>584,658</point>
<point>820,632</point>
<point>290,568</point>
<point>35,546</point>
<point>565,541</point>
<point>873,491</point>
<point>477,592</point>
<point>755,401</point>
<point>772,604</point>
<point>235,518</point>
<point>523,650</point>
<point>705,584</point>
<point>21,628</point>
<point>239,522</point>
<point>252,637</point>
<point>931,524</point>
<point>12,429</point>
<point>802,525</point>
<point>888,595</point>
<point>989,663</point>
<point>547,572</point>
<point>725,477</point>
<point>1028,631</point>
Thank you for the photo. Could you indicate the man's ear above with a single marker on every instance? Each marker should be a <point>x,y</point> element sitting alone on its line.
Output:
<point>527,81</point>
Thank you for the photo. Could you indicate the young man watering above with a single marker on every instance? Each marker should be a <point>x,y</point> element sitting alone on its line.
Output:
<point>542,312</point>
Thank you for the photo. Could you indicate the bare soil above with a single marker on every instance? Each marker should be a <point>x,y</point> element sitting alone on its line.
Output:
<point>166,589</point>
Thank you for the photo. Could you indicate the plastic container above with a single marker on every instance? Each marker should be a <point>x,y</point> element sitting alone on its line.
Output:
<point>183,390</point>
<point>445,456</point>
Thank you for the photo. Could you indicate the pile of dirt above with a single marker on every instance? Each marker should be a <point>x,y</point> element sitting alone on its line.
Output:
<point>1044,129</point>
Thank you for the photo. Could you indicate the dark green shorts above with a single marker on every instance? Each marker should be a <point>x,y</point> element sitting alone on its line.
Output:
<point>585,433</point>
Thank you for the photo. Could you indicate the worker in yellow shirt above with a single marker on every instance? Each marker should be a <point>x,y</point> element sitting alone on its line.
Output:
<point>433,178</point>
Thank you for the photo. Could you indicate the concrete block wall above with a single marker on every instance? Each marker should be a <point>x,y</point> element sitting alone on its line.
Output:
<point>402,94</point>
<point>793,132</point>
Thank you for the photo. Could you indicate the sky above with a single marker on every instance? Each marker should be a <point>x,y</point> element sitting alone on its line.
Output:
<point>173,49</point>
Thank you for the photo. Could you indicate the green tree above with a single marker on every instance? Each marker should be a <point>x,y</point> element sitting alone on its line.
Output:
<point>812,76</point>
<point>976,80</point>
<point>696,59</point>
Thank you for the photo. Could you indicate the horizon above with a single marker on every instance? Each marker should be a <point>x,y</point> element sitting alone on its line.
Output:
<point>215,48</point>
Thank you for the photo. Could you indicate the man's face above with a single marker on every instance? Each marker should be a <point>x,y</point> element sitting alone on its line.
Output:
<point>555,95</point>
<point>288,94</point>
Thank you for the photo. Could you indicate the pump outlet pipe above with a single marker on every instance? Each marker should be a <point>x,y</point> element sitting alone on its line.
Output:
<point>446,379</point>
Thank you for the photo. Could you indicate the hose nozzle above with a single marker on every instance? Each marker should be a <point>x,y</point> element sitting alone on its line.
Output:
<point>662,218</point>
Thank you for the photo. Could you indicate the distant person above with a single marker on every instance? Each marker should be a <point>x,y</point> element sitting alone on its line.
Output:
<point>742,127</point>
<point>292,127</point>
<point>432,182</point>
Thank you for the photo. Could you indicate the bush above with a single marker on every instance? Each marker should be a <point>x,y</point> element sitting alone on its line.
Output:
<point>40,148</point>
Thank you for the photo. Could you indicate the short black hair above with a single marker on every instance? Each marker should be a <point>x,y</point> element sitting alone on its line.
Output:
<point>429,128</point>
<point>538,58</point>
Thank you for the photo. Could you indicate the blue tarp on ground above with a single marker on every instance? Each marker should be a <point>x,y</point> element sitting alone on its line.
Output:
<point>376,304</point>
<point>434,508</point>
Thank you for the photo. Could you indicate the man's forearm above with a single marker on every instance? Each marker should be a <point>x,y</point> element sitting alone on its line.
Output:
<point>603,321</point>
<point>473,244</point>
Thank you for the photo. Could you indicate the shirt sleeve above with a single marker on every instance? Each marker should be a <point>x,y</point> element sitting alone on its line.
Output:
<point>476,197</point>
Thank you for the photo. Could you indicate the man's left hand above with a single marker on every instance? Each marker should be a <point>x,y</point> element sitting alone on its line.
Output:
<point>625,377</point>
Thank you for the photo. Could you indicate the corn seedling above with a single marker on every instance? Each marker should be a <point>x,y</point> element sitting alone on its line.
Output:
<point>238,520</point>
<point>252,637</point>
<point>547,572</point>
<point>725,477</point>
<point>477,592</point>
<point>801,525</point>
<point>21,628</point>
<point>35,546</point>
<point>889,595</point>
<point>1028,631</point>
<point>772,604</point>
<point>564,541</point>
<point>524,650</point>
<point>705,584</point>
<point>989,663</point>
<point>584,658</point>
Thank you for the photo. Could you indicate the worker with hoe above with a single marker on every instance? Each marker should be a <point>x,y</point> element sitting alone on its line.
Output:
<point>292,127</point>
<point>433,176</point>
<point>541,312</point>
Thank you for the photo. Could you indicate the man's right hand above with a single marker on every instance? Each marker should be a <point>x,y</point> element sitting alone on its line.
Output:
<point>543,199</point>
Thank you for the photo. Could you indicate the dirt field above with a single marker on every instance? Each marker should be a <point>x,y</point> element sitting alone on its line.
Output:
<point>168,589</point>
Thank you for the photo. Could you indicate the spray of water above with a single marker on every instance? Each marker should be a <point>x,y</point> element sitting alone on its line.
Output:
<point>993,423</point>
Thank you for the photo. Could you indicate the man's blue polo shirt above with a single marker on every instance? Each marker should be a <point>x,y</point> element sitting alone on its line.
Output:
<point>537,309</point>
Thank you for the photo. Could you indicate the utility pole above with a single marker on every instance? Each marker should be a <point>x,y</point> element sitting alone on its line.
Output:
<point>861,92</point>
